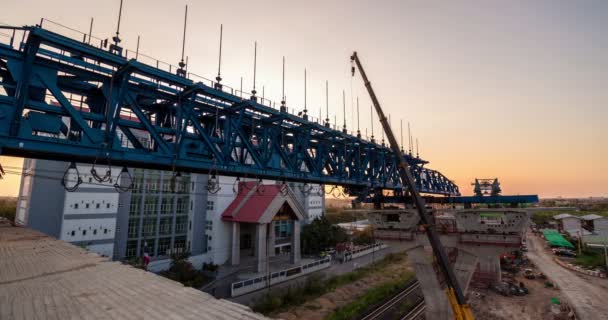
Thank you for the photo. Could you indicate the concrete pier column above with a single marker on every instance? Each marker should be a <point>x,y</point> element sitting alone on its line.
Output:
<point>489,265</point>
<point>437,306</point>
<point>235,257</point>
<point>260,248</point>
<point>271,240</point>
<point>465,266</point>
<point>294,256</point>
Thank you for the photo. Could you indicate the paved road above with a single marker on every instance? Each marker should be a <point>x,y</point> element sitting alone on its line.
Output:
<point>587,294</point>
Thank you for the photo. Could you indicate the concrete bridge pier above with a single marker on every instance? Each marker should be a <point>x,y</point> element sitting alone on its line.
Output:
<point>489,261</point>
<point>465,266</point>
<point>437,306</point>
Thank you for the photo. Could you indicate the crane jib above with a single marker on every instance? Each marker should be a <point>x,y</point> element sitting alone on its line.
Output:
<point>408,181</point>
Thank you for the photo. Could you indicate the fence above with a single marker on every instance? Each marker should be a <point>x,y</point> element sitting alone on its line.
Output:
<point>349,255</point>
<point>253,284</point>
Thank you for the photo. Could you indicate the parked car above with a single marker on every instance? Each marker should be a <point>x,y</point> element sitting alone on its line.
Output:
<point>564,252</point>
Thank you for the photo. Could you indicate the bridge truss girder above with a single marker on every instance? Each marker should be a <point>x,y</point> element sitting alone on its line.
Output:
<point>63,99</point>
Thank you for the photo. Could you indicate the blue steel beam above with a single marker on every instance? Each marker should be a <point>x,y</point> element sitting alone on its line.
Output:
<point>66,100</point>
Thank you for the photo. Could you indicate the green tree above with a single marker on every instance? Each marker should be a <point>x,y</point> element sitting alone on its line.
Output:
<point>320,234</point>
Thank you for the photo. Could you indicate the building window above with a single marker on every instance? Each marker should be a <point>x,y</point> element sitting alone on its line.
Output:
<point>86,205</point>
<point>105,231</point>
<point>210,205</point>
<point>75,205</point>
<point>163,246</point>
<point>209,225</point>
<point>131,248</point>
<point>283,229</point>
<point>133,228</point>
<point>108,205</point>
<point>97,206</point>
<point>165,225</point>
<point>95,231</point>
<point>73,233</point>
<point>84,232</point>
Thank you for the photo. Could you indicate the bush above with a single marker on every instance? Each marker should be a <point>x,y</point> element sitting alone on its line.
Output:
<point>590,259</point>
<point>183,271</point>
<point>211,267</point>
<point>8,207</point>
<point>317,285</point>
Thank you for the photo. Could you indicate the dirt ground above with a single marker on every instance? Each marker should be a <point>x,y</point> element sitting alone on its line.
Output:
<point>489,304</point>
<point>326,304</point>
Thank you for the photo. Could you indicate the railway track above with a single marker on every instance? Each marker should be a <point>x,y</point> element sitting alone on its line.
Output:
<point>416,313</point>
<point>394,301</point>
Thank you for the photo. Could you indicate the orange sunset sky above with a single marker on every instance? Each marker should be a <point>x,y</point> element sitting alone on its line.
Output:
<point>513,89</point>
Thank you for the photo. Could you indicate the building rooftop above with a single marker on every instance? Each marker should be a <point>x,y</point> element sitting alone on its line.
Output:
<point>565,215</point>
<point>590,217</point>
<point>45,278</point>
<point>258,203</point>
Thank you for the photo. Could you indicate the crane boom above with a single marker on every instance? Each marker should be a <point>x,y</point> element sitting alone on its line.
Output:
<point>455,294</point>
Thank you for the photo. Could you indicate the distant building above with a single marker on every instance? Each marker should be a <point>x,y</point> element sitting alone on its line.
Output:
<point>595,223</point>
<point>568,223</point>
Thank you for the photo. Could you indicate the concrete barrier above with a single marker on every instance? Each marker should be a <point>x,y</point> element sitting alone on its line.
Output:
<point>246,286</point>
<point>580,269</point>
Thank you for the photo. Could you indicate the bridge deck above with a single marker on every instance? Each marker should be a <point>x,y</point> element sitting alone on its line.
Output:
<point>44,278</point>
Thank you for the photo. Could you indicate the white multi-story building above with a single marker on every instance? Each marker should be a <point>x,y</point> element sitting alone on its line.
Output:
<point>85,218</point>
<point>166,214</point>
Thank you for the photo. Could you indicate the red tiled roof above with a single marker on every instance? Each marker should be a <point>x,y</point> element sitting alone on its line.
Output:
<point>251,203</point>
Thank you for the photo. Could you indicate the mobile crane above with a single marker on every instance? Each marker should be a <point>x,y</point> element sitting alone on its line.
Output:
<point>455,295</point>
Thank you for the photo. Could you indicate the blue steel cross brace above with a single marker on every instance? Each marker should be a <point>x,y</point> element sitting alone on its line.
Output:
<point>63,99</point>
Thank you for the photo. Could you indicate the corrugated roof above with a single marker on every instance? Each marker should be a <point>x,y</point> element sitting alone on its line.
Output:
<point>45,278</point>
<point>590,217</point>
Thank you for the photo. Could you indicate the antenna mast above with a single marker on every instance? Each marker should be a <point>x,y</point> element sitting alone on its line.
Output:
<point>255,58</point>
<point>283,107</point>
<point>409,137</point>
<point>327,103</point>
<point>358,127</point>
<point>115,48</point>
<point>305,110</point>
<point>344,111</point>
<point>218,84</point>
<point>401,126</point>
<point>182,65</point>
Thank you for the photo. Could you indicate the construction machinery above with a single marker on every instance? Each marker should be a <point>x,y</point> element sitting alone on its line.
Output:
<point>455,294</point>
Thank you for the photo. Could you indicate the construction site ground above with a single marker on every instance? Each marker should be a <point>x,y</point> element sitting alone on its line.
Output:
<point>328,303</point>
<point>586,294</point>
<point>489,304</point>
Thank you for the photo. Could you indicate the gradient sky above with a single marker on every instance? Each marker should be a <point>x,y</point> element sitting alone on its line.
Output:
<point>512,89</point>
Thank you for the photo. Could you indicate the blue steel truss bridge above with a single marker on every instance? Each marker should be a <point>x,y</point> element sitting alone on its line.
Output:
<point>71,99</point>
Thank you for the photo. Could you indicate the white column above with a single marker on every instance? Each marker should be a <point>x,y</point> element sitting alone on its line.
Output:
<point>294,257</point>
<point>260,248</point>
<point>235,258</point>
<point>271,239</point>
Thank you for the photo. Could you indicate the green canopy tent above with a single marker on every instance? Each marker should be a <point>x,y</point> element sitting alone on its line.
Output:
<point>556,239</point>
